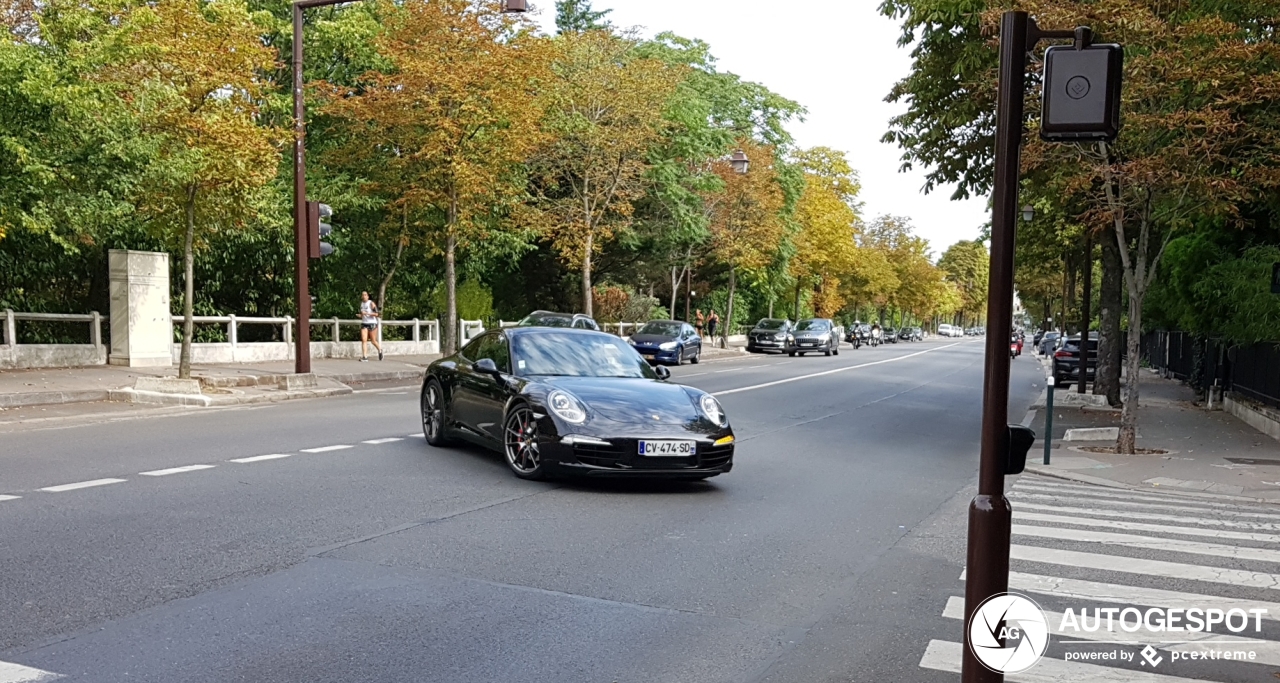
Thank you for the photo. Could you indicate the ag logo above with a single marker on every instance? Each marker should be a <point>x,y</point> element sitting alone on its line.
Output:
<point>1008,633</point>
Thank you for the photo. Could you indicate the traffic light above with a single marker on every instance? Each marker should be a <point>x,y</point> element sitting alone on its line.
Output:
<point>317,229</point>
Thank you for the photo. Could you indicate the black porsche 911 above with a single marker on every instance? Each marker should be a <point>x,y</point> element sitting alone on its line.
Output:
<point>566,401</point>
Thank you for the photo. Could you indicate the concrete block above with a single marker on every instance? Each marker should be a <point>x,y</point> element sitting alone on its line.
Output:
<point>156,397</point>
<point>1255,417</point>
<point>168,385</point>
<point>1068,398</point>
<point>297,382</point>
<point>1092,434</point>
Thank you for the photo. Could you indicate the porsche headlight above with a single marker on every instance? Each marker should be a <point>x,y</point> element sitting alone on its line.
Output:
<point>567,407</point>
<point>711,408</point>
<point>668,346</point>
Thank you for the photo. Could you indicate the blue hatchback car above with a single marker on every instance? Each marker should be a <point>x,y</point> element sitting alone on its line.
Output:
<point>668,341</point>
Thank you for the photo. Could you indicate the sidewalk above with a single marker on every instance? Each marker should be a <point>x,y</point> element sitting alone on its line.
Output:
<point>1210,452</point>
<point>232,383</point>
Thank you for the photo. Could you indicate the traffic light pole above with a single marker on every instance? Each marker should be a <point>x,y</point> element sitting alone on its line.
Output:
<point>987,564</point>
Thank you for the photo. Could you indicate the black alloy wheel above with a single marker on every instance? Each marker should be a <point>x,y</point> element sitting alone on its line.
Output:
<point>520,443</point>
<point>697,355</point>
<point>433,427</point>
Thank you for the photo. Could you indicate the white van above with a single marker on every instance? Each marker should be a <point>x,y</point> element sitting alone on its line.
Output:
<point>945,330</point>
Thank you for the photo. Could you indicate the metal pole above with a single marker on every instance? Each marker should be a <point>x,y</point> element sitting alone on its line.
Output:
<point>1085,314</point>
<point>1048,418</point>
<point>301,249</point>
<point>987,566</point>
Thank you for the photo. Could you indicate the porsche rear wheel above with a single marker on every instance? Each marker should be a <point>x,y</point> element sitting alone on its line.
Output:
<point>520,443</point>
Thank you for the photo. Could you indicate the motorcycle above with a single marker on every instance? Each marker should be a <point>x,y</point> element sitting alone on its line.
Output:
<point>1015,347</point>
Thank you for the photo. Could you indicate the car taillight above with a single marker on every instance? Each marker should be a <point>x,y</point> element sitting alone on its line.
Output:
<point>1062,354</point>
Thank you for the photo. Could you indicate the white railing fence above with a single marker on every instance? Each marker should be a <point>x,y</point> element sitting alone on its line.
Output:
<point>424,339</point>
<point>16,355</point>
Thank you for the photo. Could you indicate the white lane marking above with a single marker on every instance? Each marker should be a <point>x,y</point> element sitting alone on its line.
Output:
<point>1080,589</point>
<point>1234,512</point>
<point>829,372</point>
<point>945,656</point>
<point>1135,495</point>
<point>1171,545</point>
<point>4,498</point>
<point>942,655</point>
<point>260,458</point>
<point>753,367</point>
<point>1137,565</point>
<point>1266,651</point>
<point>1139,526</point>
<point>1129,514</point>
<point>17,673</point>
<point>394,393</point>
<point>378,442</point>
<point>1154,490</point>
<point>175,470</point>
<point>729,370</point>
<point>696,374</point>
<point>419,435</point>
<point>81,485</point>
<point>326,449</point>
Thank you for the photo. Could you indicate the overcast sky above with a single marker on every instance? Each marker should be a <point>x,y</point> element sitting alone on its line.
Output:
<point>839,60</point>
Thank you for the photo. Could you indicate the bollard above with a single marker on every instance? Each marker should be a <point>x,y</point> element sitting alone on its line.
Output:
<point>1048,417</point>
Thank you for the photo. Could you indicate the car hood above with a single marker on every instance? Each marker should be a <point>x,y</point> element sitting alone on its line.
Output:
<point>761,330</point>
<point>627,400</point>
<point>651,338</point>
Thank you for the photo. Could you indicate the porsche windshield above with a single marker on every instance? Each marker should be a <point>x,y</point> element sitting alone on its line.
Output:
<point>566,354</point>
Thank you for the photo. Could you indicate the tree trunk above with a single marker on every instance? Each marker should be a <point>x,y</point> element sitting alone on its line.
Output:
<point>586,275</point>
<point>688,292</point>
<point>676,276</point>
<point>451,331</point>
<point>728,313</point>
<point>1127,441</point>
<point>395,263</point>
<point>795,309</point>
<point>1110,344</point>
<point>1070,295</point>
<point>188,286</point>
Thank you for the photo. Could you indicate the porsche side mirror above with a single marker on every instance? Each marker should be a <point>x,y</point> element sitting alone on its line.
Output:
<point>486,366</point>
<point>1020,441</point>
<point>662,372</point>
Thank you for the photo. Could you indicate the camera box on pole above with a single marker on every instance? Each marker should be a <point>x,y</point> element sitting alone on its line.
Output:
<point>1081,93</point>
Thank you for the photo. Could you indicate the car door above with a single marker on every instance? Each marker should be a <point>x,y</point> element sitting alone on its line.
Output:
<point>492,395</point>
<point>693,342</point>
<point>474,393</point>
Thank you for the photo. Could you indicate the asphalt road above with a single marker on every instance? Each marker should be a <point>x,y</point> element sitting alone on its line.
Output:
<point>824,556</point>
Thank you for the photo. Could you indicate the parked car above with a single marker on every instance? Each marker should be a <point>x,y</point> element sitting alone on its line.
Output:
<point>668,341</point>
<point>946,330</point>
<point>890,335</point>
<point>770,334</point>
<point>1048,343</point>
<point>911,334</point>
<point>552,319</point>
<point>1066,361</point>
<point>571,401</point>
<point>815,334</point>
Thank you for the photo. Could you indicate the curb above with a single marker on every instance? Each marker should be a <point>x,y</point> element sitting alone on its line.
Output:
<point>1111,483</point>
<point>200,400</point>
<point>42,398</point>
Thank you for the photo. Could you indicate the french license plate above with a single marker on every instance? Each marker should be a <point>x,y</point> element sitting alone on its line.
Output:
<point>674,449</point>
<point>808,343</point>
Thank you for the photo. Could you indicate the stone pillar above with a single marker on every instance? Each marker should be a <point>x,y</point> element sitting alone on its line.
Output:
<point>141,323</point>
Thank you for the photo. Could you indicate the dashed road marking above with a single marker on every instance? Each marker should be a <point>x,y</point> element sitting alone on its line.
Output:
<point>1173,545</point>
<point>419,435</point>
<point>81,485</point>
<point>326,449</point>
<point>175,470</point>
<point>260,458</point>
<point>4,498</point>
<point>378,442</point>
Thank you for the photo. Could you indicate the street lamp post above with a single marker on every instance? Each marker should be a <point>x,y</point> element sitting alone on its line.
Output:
<point>301,240</point>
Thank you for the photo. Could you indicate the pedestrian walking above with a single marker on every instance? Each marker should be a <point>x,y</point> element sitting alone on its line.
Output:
<point>699,321</point>
<point>369,315</point>
<point>712,321</point>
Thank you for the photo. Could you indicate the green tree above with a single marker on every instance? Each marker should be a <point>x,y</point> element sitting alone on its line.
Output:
<point>967,264</point>
<point>576,16</point>
<point>192,73</point>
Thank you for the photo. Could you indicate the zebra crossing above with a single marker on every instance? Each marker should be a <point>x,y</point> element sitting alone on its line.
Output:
<point>1077,548</point>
